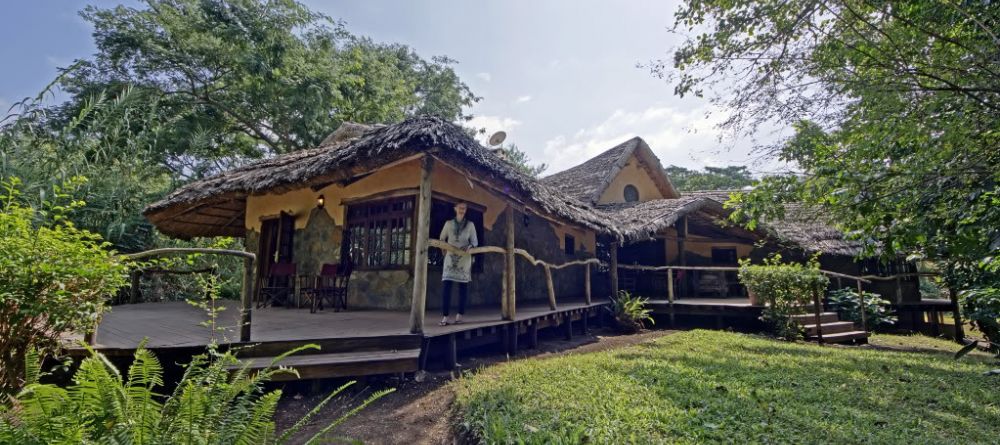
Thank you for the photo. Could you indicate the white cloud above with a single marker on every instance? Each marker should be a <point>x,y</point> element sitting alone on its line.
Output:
<point>523,99</point>
<point>685,137</point>
<point>485,76</point>
<point>492,124</point>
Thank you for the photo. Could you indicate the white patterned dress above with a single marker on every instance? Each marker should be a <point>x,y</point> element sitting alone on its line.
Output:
<point>458,267</point>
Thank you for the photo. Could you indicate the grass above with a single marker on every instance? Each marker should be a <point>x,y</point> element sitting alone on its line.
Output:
<point>718,387</point>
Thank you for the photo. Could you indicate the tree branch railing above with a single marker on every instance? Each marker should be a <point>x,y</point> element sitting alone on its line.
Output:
<point>246,294</point>
<point>671,298</point>
<point>547,267</point>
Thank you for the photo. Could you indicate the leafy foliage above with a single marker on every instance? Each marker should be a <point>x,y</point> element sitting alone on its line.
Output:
<point>630,312</point>
<point>217,402</point>
<point>848,305</point>
<point>244,78</point>
<point>54,277</point>
<point>787,288</point>
<point>717,387</point>
<point>982,307</point>
<point>520,160</point>
<point>896,110</point>
<point>713,178</point>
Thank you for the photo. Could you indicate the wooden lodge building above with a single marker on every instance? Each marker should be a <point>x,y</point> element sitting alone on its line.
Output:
<point>364,208</point>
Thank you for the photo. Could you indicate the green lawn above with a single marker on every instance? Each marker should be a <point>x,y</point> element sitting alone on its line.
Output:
<point>708,386</point>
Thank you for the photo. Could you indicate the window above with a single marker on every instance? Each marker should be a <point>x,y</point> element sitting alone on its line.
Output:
<point>570,244</point>
<point>724,255</point>
<point>379,234</point>
<point>631,193</point>
<point>441,212</point>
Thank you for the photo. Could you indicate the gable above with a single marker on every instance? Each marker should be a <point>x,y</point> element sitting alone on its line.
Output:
<point>635,175</point>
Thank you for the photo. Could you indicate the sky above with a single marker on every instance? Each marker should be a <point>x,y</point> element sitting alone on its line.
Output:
<point>560,77</point>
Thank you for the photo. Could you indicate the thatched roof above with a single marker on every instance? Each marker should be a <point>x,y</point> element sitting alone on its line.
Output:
<point>213,206</point>
<point>642,220</point>
<point>588,181</point>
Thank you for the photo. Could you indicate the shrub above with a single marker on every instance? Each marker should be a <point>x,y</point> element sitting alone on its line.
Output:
<point>847,304</point>
<point>982,307</point>
<point>786,288</point>
<point>54,277</point>
<point>630,312</point>
<point>212,404</point>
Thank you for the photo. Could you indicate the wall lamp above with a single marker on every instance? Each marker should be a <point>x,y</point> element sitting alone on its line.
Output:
<point>320,202</point>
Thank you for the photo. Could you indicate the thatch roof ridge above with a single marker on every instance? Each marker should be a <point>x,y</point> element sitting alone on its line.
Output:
<point>642,220</point>
<point>346,159</point>
<point>587,180</point>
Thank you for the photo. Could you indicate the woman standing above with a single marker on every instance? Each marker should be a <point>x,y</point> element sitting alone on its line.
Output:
<point>461,233</point>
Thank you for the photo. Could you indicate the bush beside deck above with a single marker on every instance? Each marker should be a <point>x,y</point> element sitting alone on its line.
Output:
<point>705,386</point>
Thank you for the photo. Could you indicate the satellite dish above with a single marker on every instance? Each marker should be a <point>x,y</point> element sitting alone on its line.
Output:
<point>497,138</point>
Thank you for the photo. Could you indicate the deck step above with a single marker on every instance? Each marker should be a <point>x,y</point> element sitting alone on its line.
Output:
<point>843,337</point>
<point>830,327</point>
<point>824,317</point>
<point>340,364</point>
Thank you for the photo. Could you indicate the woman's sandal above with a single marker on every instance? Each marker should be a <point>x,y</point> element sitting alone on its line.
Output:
<point>459,321</point>
<point>442,323</point>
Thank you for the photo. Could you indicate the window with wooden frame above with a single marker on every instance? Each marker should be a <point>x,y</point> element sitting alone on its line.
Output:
<point>379,234</point>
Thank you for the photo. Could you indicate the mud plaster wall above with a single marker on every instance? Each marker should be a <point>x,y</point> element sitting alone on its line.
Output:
<point>633,174</point>
<point>319,233</point>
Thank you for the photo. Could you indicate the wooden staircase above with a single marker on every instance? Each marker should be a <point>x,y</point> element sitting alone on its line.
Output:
<point>341,357</point>
<point>834,330</point>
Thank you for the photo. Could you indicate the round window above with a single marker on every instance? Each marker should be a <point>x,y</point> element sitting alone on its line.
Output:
<point>631,193</point>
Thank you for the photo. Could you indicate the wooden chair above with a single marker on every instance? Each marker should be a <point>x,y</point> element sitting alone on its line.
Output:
<point>331,287</point>
<point>280,286</point>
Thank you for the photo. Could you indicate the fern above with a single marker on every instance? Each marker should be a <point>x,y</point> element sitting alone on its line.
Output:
<point>216,402</point>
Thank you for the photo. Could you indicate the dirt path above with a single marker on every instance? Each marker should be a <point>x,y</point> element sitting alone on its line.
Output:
<point>419,412</point>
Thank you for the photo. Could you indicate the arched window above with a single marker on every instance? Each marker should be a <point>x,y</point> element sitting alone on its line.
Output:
<point>631,193</point>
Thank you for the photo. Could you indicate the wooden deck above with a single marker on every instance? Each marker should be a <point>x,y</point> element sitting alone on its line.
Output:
<point>353,342</point>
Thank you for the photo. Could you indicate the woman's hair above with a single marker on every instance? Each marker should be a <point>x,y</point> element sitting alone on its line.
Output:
<point>461,203</point>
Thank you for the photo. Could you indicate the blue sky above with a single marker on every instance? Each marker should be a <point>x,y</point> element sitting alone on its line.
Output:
<point>559,76</point>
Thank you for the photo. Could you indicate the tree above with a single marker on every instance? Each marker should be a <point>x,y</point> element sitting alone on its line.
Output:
<point>713,178</point>
<point>520,160</point>
<point>243,78</point>
<point>896,107</point>
<point>54,278</point>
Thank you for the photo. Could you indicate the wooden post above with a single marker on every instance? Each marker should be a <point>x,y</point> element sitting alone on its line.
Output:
<point>584,321</point>
<point>682,232</point>
<point>899,290</point>
<point>90,338</point>
<point>133,295</point>
<point>418,304</point>
<point>586,283</point>
<point>864,311</point>
<point>533,334</point>
<point>512,341</point>
<point>959,329</point>
<point>670,295</point>
<point>246,295</point>
<point>551,286</point>
<point>504,309</point>
<point>614,270</point>
<point>511,267</point>
<point>568,326</point>
<point>817,310</point>
<point>451,353</point>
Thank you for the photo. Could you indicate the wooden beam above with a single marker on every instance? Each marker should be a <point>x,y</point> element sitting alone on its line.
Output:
<point>418,304</point>
<point>551,287</point>
<point>246,296</point>
<point>586,284</point>
<point>511,264</point>
<point>614,270</point>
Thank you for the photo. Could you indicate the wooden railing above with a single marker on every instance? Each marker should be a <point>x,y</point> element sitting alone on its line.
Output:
<point>246,294</point>
<point>815,297</point>
<point>531,259</point>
